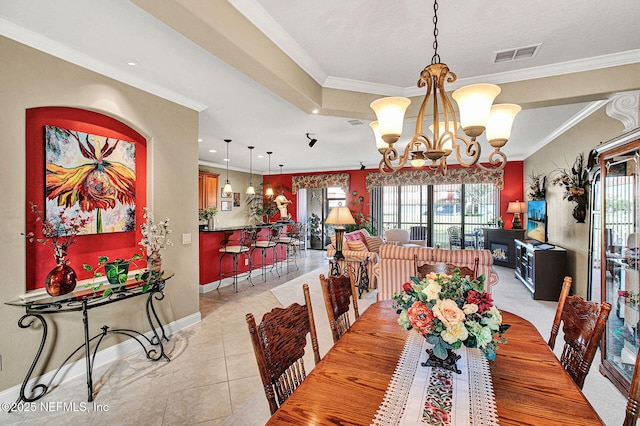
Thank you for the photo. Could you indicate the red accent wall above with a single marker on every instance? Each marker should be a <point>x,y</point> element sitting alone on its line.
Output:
<point>87,248</point>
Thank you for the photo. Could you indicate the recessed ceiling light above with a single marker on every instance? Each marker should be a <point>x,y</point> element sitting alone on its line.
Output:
<point>212,150</point>
<point>315,111</point>
<point>199,140</point>
<point>261,156</point>
<point>226,159</point>
<point>132,63</point>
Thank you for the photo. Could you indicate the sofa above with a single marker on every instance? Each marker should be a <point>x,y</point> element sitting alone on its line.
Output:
<point>358,245</point>
<point>396,264</point>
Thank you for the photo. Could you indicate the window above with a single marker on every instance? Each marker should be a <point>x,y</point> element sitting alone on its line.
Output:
<point>439,207</point>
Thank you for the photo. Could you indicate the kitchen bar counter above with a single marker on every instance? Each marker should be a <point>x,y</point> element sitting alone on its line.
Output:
<point>209,244</point>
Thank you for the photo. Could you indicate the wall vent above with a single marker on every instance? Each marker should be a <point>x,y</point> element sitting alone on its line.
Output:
<point>517,54</point>
<point>355,122</point>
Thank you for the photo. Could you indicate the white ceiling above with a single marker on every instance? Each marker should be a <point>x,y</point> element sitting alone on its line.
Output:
<point>369,46</point>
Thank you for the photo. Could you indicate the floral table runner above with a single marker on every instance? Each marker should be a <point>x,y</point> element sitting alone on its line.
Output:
<point>420,395</point>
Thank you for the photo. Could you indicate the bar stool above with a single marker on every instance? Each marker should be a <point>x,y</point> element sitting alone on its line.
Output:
<point>265,243</point>
<point>290,240</point>
<point>236,248</point>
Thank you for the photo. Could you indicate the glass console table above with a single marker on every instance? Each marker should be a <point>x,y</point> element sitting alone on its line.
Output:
<point>82,300</point>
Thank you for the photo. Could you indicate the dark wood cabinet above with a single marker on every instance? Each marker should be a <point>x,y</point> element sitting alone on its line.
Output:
<point>500,243</point>
<point>541,271</point>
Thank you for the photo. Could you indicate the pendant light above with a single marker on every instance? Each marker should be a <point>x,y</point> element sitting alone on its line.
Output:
<point>269,190</point>
<point>281,197</point>
<point>250,189</point>
<point>227,190</point>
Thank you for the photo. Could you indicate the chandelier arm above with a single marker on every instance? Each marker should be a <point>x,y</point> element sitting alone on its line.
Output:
<point>391,155</point>
<point>472,151</point>
<point>496,164</point>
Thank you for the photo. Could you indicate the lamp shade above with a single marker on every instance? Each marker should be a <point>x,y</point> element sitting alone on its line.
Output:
<point>227,190</point>
<point>500,123</point>
<point>474,102</point>
<point>340,216</point>
<point>269,191</point>
<point>251,190</point>
<point>390,114</point>
<point>381,145</point>
<point>517,207</point>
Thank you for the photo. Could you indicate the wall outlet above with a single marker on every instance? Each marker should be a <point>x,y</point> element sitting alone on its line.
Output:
<point>246,262</point>
<point>186,239</point>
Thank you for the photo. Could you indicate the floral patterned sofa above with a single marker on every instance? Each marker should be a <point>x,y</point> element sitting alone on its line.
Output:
<point>396,264</point>
<point>358,245</point>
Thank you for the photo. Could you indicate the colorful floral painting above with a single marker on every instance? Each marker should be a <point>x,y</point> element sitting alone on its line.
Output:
<point>92,174</point>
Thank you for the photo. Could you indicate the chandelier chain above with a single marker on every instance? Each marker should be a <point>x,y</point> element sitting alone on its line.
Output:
<point>435,59</point>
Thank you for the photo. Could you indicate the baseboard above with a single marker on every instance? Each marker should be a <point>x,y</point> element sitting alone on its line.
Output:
<point>205,288</point>
<point>113,353</point>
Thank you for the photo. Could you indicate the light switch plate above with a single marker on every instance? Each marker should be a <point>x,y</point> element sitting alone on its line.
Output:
<point>186,239</point>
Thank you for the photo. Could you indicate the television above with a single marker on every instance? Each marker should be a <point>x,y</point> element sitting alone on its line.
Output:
<point>537,220</point>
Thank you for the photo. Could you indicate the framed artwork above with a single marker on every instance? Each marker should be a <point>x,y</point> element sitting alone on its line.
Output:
<point>537,220</point>
<point>223,195</point>
<point>92,175</point>
<point>225,206</point>
<point>236,199</point>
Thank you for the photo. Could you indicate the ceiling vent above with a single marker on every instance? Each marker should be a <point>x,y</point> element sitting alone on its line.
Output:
<point>516,54</point>
<point>355,122</point>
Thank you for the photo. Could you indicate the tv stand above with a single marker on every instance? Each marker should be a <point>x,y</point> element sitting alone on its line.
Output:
<point>541,270</point>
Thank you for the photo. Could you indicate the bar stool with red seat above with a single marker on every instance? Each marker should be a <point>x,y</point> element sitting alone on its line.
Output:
<point>236,247</point>
<point>264,242</point>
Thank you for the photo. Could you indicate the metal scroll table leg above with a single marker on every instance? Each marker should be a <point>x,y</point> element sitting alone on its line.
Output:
<point>87,351</point>
<point>42,388</point>
<point>158,294</point>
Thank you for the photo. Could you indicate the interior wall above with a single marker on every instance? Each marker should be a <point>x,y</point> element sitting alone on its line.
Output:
<point>238,216</point>
<point>30,79</point>
<point>562,229</point>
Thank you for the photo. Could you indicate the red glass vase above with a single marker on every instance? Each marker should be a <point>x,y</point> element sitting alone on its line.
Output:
<point>61,279</point>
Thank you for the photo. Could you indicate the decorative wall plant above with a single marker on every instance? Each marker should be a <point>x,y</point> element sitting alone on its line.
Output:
<point>537,186</point>
<point>576,183</point>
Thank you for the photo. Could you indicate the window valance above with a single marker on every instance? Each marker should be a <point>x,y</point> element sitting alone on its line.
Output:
<point>320,181</point>
<point>424,177</point>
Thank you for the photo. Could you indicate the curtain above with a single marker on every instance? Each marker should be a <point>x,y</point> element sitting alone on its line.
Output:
<point>425,177</point>
<point>320,181</point>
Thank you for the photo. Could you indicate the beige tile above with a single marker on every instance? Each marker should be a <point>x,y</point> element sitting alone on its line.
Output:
<point>199,404</point>
<point>242,390</point>
<point>200,372</point>
<point>239,343</point>
<point>241,366</point>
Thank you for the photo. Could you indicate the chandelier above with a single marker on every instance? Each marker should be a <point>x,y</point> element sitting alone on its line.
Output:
<point>476,115</point>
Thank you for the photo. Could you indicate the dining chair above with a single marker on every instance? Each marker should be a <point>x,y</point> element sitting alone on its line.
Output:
<point>455,238</point>
<point>445,268</point>
<point>338,293</point>
<point>582,324</point>
<point>278,343</point>
<point>632,410</point>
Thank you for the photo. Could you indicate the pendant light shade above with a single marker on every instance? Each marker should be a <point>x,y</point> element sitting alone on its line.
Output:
<point>281,197</point>
<point>250,189</point>
<point>227,190</point>
<point>269,191</point>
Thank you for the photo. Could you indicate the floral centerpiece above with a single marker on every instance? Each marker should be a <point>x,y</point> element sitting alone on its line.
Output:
<point>576,184</point>
<point>155,237</point>
<point>450,311</point>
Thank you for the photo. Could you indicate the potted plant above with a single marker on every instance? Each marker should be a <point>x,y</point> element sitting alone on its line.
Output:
<point>208,214</point>
<point>116,272</point>
<point>315,232</point>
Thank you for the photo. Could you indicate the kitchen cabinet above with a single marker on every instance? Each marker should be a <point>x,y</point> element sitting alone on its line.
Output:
<point>613,275</point>
<point>207,190</point>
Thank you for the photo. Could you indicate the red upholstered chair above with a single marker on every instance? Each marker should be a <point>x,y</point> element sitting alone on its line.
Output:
<point>278,343</point>
<point>338,293</point>
<point>582,324</point>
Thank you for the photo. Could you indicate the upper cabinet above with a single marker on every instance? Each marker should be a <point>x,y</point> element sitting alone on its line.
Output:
<point>207,190</point>
<point>615,217</point>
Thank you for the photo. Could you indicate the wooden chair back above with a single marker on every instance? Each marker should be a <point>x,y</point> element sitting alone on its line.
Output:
<point>632,411</point>
<point>583,324</point>
<point>278,343</point>
<point>445,268</point>
<point>338,292</point>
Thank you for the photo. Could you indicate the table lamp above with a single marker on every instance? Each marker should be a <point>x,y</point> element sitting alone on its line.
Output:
<point>516,207</point>
<point>339,216</point>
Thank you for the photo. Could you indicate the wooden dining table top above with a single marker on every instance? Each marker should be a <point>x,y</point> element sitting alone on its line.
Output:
<point>349,383</point>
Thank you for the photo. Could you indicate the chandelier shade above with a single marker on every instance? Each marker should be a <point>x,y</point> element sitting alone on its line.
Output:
<point>476,115</point>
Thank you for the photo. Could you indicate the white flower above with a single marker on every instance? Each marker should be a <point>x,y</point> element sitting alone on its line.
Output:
<point>455,332</point>
<point>432,290</point>
<point>470,308</point>
<point>155,236</point>
<point>494,318</point>
<point>484,337</point>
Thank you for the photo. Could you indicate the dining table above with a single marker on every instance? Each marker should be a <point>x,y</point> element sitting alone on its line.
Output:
<point>348,385</point>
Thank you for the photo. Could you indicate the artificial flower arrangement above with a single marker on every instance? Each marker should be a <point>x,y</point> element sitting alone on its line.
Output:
<point>451,311</point>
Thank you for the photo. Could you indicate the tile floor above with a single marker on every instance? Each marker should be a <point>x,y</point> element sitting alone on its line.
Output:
<point>212,370</point>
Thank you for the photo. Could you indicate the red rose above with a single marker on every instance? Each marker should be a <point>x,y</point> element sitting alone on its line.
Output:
<point>407,287</point>
<point>623,293</point>
<point>483,300</point>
